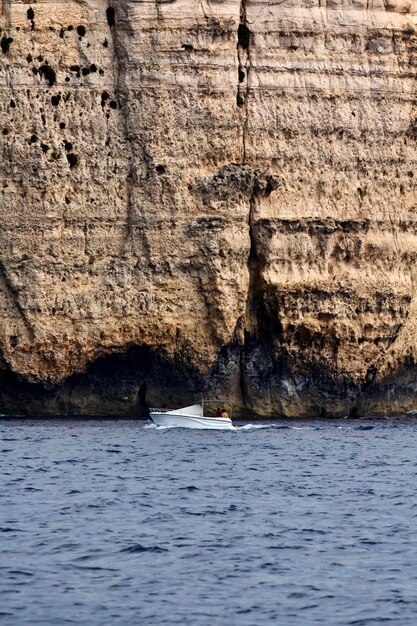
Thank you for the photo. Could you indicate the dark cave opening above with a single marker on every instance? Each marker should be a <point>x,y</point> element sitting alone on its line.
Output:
<point>122,385</point>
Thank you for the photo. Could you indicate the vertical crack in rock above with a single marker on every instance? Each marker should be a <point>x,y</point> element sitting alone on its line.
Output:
<point>253,267</point>
<point>122,32</point>
<point>158,8</point>
<point>244,71</point>
<point>114,21</point>
<point>6,10</point>
<point>256,327</point>
<point>6,40</point>
<point>242,101</point>
<point>119,50</point>
<point>242,378</point>
<point>14,293</point>
<point>263,185</point>
<point>250,316</point>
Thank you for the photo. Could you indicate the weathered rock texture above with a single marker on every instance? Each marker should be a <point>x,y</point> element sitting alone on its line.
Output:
<point>220,194</point>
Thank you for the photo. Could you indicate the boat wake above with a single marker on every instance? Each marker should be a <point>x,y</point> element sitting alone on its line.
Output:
<point>255,426</point>
<point>243,427</point>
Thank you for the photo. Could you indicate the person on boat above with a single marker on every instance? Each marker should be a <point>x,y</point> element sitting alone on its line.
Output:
<point>224,413</point>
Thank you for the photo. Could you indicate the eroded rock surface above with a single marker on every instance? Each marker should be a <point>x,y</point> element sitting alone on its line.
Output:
<point>220,194</point>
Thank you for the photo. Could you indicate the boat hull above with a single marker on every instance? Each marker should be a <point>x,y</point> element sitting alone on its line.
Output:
<point>191,421</point>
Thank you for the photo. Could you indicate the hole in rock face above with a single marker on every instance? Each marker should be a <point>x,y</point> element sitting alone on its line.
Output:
<point>240,100</point>
<point>111,16</point>
<point>5,44</point>
<point>47,72</point>
<point>188,47</point>
<point>271,185</point>
<point>81,30</point>
<point>104,97</point>
<point>14,340</point>
<point>161,169</point>
<point>72,159</point>
<point>56,100</point>
<point>30,14</point>
<point>243,36</point>
<point>242,76</point>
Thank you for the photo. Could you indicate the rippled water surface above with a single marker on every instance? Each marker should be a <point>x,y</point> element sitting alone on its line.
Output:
<point>118,522</point>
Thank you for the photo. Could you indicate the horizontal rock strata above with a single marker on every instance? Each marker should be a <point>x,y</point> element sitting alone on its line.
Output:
<point>208,197</point>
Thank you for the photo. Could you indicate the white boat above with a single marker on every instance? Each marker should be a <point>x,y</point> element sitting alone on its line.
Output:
<point>189,417</point>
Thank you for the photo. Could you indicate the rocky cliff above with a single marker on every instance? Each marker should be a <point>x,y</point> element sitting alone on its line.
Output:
<point>208,196</point>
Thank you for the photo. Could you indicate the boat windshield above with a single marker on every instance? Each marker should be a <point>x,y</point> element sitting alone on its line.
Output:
<point>196,410</point>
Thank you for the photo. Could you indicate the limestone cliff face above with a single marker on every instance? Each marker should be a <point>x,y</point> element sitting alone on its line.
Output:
<point>222,193</point>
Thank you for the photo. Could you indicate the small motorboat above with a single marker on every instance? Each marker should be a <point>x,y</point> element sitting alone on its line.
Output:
<point>189,417</point>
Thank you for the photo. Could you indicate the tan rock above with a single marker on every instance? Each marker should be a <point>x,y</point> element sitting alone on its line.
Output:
<point>225,188</point>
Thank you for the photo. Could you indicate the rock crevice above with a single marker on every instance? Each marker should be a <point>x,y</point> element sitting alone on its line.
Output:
<point>244,72</point>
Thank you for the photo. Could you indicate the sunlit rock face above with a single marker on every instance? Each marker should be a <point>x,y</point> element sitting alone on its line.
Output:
<point>225,188</point>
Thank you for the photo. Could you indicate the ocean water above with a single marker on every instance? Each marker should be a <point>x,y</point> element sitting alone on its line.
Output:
<point>290,523</point>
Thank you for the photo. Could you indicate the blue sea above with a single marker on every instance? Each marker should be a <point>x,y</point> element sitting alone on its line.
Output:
<point>117,522</point>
